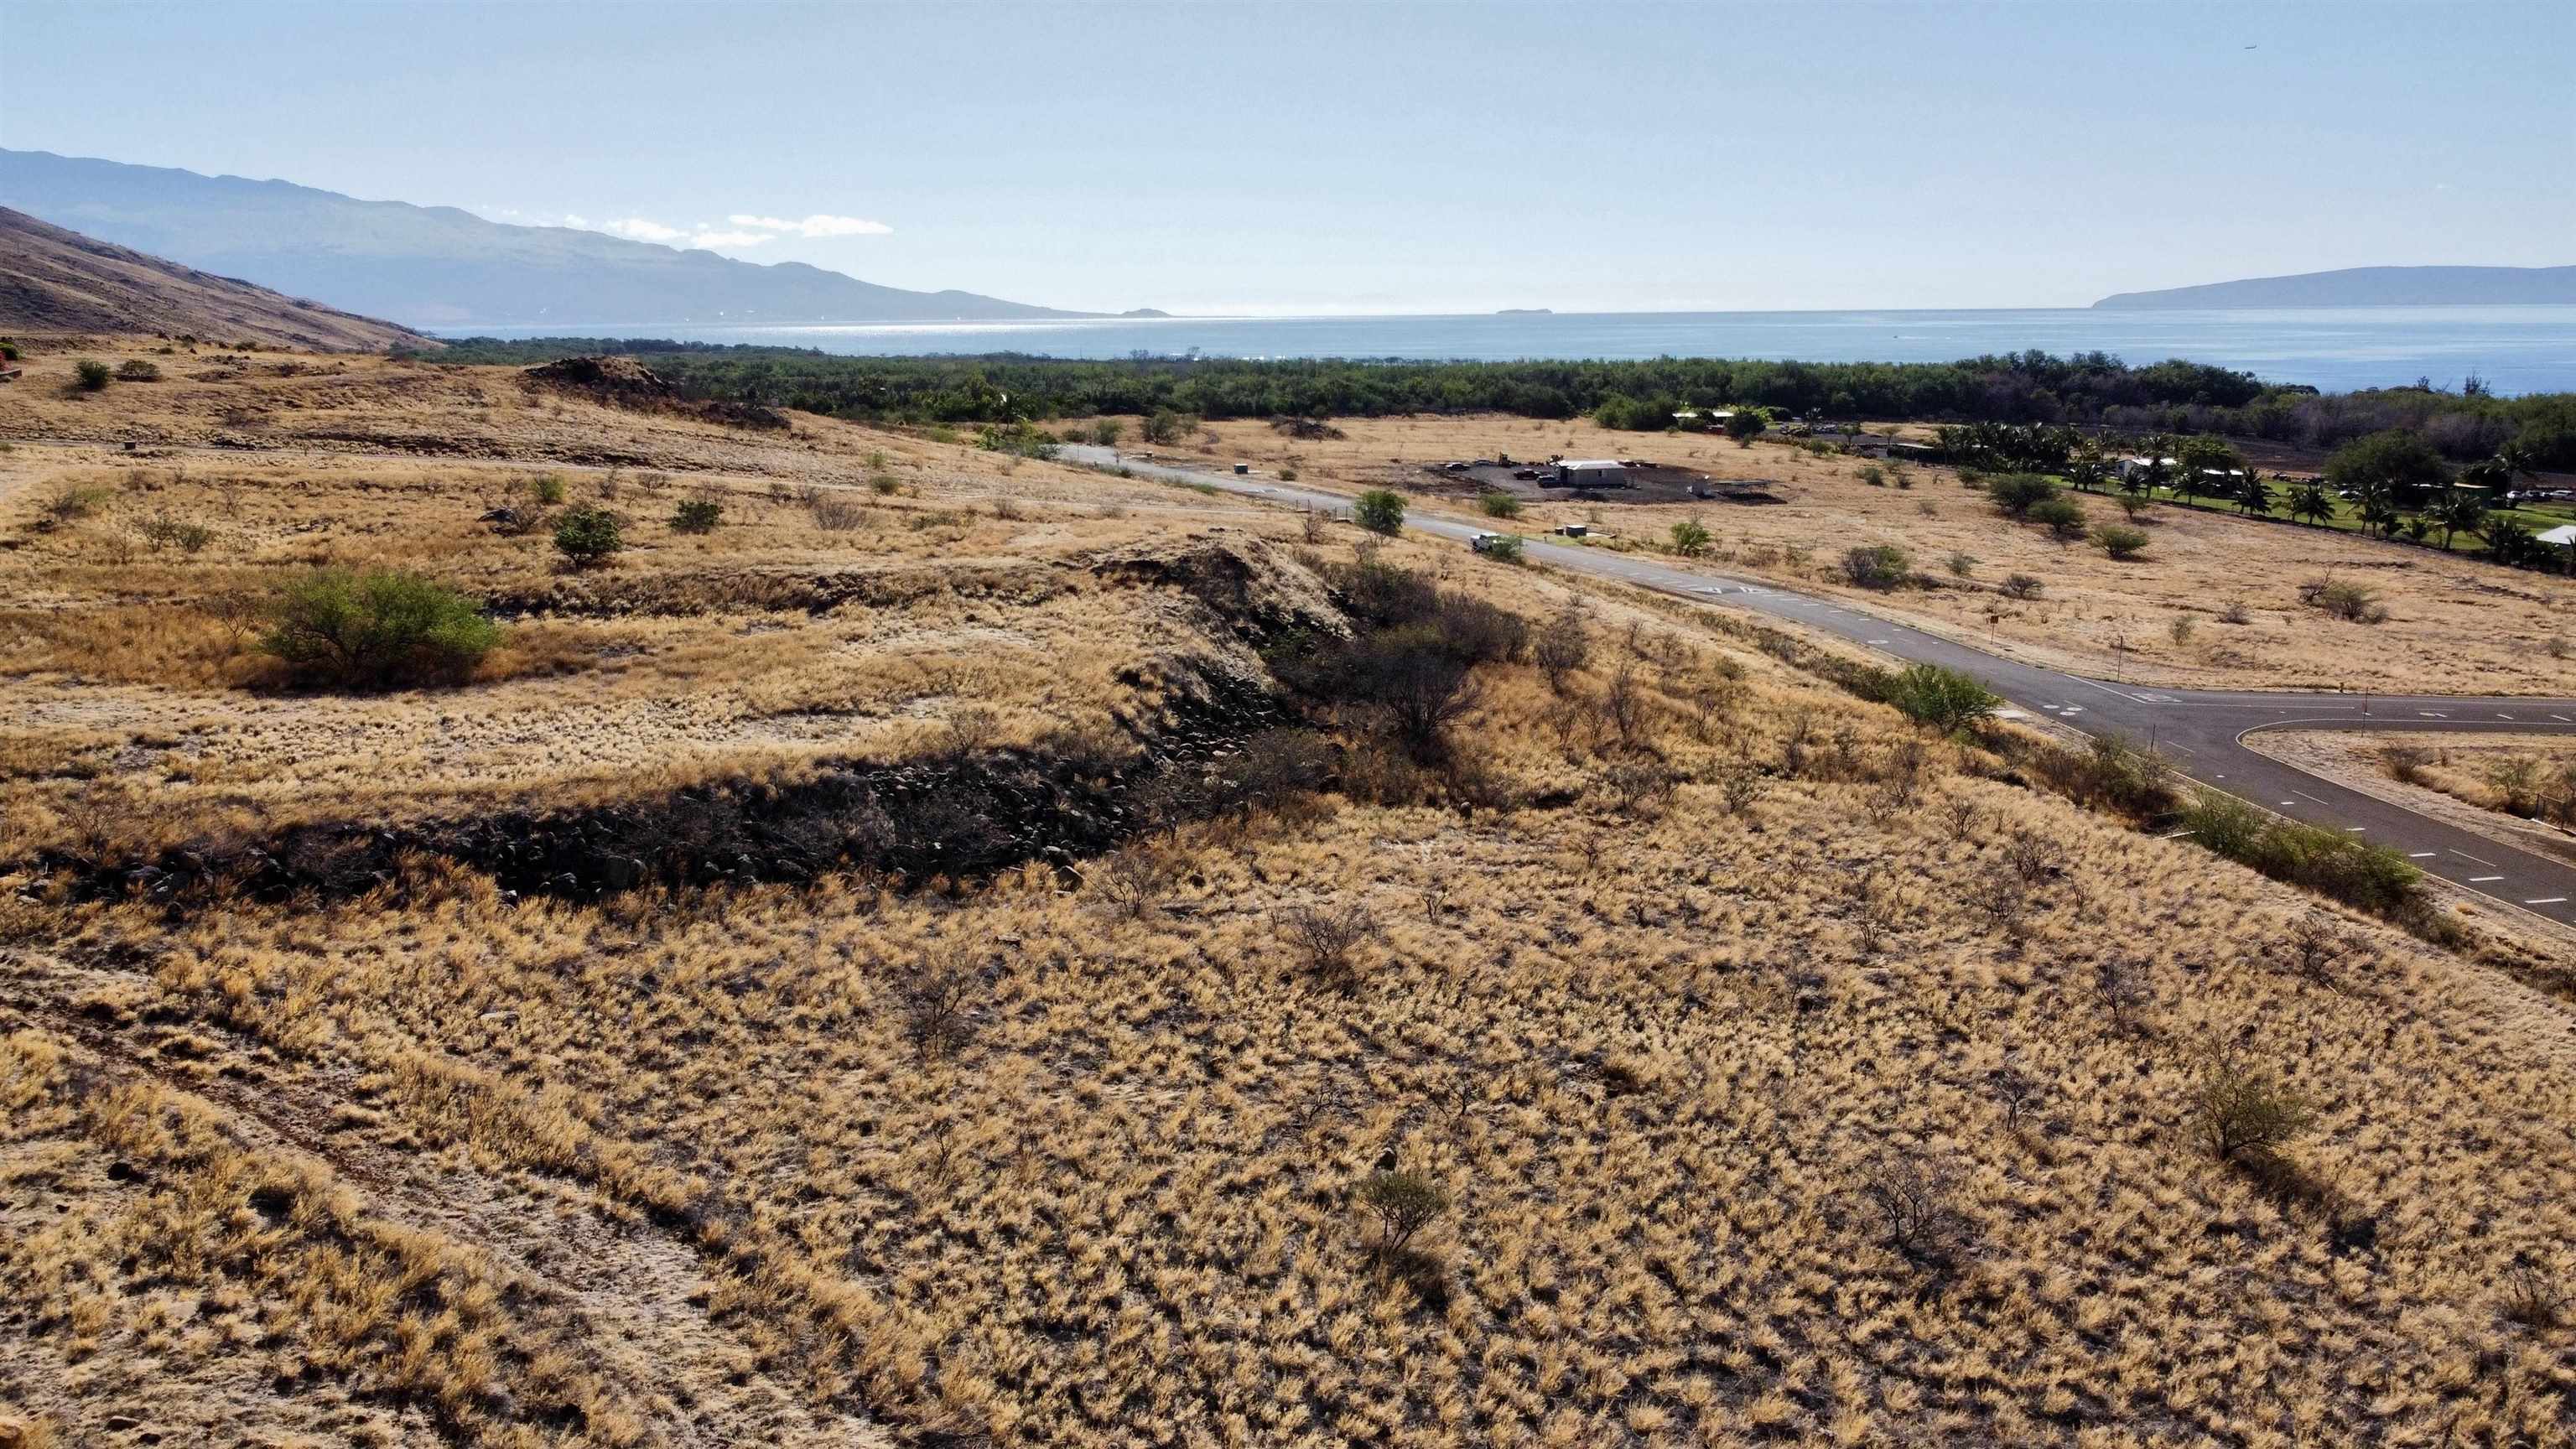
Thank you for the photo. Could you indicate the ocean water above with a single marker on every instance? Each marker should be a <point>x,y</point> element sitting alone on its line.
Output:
<point>2513,349</point>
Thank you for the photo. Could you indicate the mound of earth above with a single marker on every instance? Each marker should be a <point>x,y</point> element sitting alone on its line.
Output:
<point>625,382</point>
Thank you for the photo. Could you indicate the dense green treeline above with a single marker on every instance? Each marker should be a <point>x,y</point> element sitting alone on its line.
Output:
<point>2026,387</point>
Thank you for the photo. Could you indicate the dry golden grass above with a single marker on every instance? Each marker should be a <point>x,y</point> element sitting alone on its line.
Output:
<point>1792,1076</point>
<point>127,669</point>
<point>2455,626</point>
<point>2520,789</point>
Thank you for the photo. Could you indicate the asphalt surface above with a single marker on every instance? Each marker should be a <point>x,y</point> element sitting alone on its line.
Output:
<point>2201,730</point>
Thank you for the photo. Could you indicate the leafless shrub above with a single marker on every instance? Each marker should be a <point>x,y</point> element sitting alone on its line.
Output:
<point>2126,993</point>
<point>2031,857</point>
<point>935,1004</point>
<point>836,513</point>
<point>1914,1204</point>
<point>1133,881</point>
<point>2533,1296</point>
<point>1563,647</point>
<point>2405,763</point>
<point>2318,949</point>
<point>1314,526</point>
<point>1329,938</point>
<point>1961,814</point>
<point>2003,901</point>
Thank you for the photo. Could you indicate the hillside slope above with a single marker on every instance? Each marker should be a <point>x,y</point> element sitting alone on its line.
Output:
<point>52,280</point>
<point>2370,287</point>
<point>439,266</point>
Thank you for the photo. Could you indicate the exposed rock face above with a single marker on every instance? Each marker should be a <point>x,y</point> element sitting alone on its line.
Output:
<point>624,382</point>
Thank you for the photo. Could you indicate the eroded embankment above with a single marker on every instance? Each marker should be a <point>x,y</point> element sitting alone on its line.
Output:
<point>962,814</point>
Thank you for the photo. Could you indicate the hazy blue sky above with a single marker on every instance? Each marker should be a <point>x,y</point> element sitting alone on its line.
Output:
<point>1311,157</point>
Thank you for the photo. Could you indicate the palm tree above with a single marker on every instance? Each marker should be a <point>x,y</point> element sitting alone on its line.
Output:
<point>2254,495</point>
<point>2507,540</point>
<point>2379,510</point>
<point>2460,510</point>
<point>2312,503</point>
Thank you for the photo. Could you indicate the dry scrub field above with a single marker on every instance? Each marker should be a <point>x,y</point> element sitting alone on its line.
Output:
<point>2454,626</point>
<point>2520,789</point>
<point>1766,1069</point>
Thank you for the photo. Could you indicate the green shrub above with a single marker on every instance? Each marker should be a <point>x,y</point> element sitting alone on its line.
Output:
<point>2120,541</point>
<point>2329,862</point>
<point>1106,432</point>
<point>696,515</point>
<point>1873,475</point>
<point>1690,538</point>
<point>161,531</point>
<point>1498,504</point>
<point>547,488</point>
<point>588,535</point>
<point>1508,548</point>
<point>381,628</point>
<point>2023,586</point>
<point>1941,697</point>
<point>882,484</point>
<point>1287,475</point>
<point>1380,510</point>
<point>1404,1203</point>
<point>1877,566</point>
<point>2358,603</point>
<point>91,374</point>
<point>2018,493</point>
<point>2243,1115</point>
<point>2063,516</point>
<point>135,369</point>
<point>1962,565</point>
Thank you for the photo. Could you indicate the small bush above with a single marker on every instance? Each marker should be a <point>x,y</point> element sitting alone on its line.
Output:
<point>1873,475</point>
<point>2343,599</point>
<point>1498,504</point>
<point>162,531</point>
<point>836,512</point>
<point>1509,548</point>
<point>2406,762</point>
<point>135,369</point>
<point>882,484</point>
<point>90,374</point>
<point>547,488</point>
<point>1962,566</point>
<point>1329,938</point>
<point>2120,541</point>
<point>1690,538</point>
<point>2023,586</point>
<point>380,628</point>
<point>588,536</point>
<point>2241,1113</point>
<point>1380,510</point>
<point>2064,518</point>
<point>1106,432</point>
<point>1287,475</point>
<point>1941,697</point>
<point>696,515</point>
<point>1404,1203</point>
<point>1876,566</point>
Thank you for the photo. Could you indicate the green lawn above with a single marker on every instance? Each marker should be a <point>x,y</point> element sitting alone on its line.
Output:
<point>2347,518</point>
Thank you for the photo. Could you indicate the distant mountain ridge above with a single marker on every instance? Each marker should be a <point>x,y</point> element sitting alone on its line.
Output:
<point>437,266</point>
<point>2371,287</point>
<point>53,280</point>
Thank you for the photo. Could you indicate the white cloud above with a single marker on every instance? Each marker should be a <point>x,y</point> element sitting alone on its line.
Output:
<point>817,225</point>
<point>636,228</point>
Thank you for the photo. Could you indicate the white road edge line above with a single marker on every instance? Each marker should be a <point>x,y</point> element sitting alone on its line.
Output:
<point>2545,901</point>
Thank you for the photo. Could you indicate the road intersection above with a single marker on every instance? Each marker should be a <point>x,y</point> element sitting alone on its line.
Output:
<point>2202,731</point>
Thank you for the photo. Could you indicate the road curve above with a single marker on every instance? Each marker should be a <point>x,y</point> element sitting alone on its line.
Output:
<point>2202,730</point>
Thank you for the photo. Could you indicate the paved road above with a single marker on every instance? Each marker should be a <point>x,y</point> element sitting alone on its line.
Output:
<point>2201,729</point>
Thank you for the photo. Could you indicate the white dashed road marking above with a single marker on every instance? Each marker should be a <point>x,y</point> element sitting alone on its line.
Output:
<point>2422,854</point>
<point>2483,879</point>
<point>2545,900</point>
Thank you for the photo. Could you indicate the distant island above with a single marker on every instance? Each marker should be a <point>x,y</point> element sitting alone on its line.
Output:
<point>1144,312</point>
<point>1526,312</point>
<point>2370,287</point>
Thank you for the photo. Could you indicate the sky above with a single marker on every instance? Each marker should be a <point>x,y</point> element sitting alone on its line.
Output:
<point>1383,158</point>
